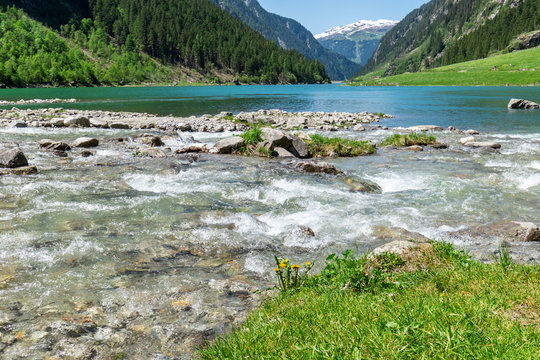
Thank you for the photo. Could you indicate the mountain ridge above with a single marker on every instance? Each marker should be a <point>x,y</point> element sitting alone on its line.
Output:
<point>289,34</point>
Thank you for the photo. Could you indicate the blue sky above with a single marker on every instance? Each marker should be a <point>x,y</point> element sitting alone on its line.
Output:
<point>320,15</point>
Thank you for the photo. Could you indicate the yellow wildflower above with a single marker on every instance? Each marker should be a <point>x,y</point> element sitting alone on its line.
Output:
<point>282,265</point>
<point>276,269</point>
<point>286,261</point>
<point>308,263</point>
<point>295,267</point>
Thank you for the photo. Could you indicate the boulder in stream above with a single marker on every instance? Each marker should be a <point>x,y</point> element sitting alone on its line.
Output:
<point>150,152</point>
<point>13,158</point>
<point>23,170</point>
<point>49,144</point>
<point>228,145</point>
<point>522,104</point>
<point>80,121</point>
<point>318,167</point>
<point>85,142</point>
<point>151,140</point>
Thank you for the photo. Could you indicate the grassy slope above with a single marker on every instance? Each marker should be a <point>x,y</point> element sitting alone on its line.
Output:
<point>509,70</point>
<point>448,307</point>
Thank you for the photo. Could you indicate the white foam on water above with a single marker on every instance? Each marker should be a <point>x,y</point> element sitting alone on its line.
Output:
<point>181,183</point>
<point>522,148</point>
<point>245,224</point>
<point>500,163</point>
<point>399,182</point>
<point>523,181</point>
<point>256,263</point>
<point>81,247</point>
<point>534,165</point>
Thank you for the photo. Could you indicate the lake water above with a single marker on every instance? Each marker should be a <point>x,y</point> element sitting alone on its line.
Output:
<point>151,256</point>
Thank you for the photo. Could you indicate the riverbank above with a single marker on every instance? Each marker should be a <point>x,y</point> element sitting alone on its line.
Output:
<point>519,68</point>
<point>420,300</point>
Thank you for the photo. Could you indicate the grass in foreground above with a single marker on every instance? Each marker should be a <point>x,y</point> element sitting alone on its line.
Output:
<point>431,303</point>
<point>516,68</point>
<point>409,140</point>
<point>322,146</point>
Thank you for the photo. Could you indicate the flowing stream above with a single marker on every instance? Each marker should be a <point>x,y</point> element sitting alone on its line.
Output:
<point>150,257</point>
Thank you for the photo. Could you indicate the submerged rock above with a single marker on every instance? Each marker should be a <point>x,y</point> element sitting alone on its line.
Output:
<point>386,233</point>
<point>318,167</point>
<point>150,152</point>
<point>483,144</point>
<point>23,170</point>
<point>13,158</point>
<point>363,185</point>
<point>522,104</point>
<point>512,231</point>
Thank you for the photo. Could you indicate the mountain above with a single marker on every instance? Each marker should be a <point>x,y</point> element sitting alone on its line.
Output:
<point>356,41</point>
<point>444,32</point>
<point>289,34</point>
<point>134,41</point>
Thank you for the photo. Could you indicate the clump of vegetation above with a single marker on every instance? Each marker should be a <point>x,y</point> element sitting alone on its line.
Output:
<point>252,136</point>
<point>322,146</point>
<point>430,302</point>
<point>409,140</point>
<point>290,276</point>
<point>265,152</point>
<point>228,117</point>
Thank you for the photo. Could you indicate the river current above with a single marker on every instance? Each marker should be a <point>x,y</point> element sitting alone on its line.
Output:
<point>156,254</point>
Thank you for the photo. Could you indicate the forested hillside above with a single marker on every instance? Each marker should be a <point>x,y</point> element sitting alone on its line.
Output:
<point>134,41</point>
<point>449,31</point>
<point>289,34</point>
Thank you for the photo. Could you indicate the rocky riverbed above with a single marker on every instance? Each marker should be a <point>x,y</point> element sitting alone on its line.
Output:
<point>130,238</point>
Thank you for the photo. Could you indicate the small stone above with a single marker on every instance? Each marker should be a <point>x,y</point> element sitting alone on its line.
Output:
<point>23,170</point>
<point>18,124</point>
<point>87,153</point>
<point>471,132</point>
<point>359,127</point>
<point>425,128</point>
<point>439,145</point>
<point>414,148</point>
<point>54,145</point>
<point>151,140</point>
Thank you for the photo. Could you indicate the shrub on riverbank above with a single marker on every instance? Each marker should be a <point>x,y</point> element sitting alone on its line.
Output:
<point>433,302</point>
<point>322,146</point>
<point>409,140</point>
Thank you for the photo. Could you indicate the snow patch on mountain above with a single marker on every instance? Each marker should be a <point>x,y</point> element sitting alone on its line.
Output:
<point>362,25</point>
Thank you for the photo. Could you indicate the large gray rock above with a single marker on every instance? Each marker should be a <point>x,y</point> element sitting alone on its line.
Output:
<point>13,158</point>
<point>85,142</point>
<point>522,104</point>
<point>282,153</point>
<point>81,121</point>
<point>273,138</point>
<point>229,145</point>
<point>318,167</point>
<point>18,124</point>
<point>298,147</point>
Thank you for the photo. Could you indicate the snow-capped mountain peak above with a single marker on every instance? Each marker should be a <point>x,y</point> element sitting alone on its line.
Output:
<point>362,25</point>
